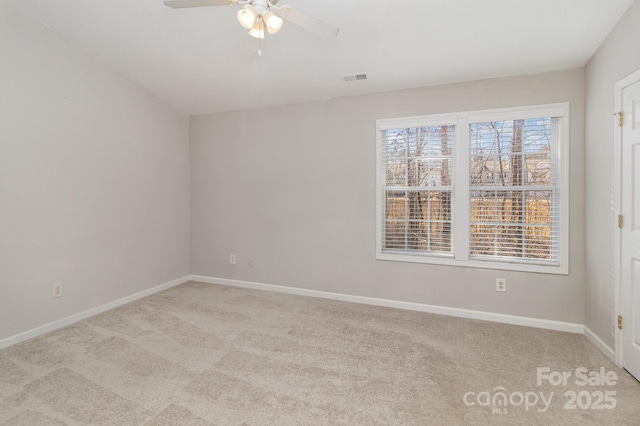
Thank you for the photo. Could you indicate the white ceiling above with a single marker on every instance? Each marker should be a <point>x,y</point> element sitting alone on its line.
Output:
<point>199,60</point>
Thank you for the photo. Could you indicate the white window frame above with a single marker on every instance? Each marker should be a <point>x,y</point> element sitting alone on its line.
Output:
<point>461,187</point>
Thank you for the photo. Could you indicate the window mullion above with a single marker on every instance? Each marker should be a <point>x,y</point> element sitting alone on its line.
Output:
<point>407,217</point>
<point>460,195</point>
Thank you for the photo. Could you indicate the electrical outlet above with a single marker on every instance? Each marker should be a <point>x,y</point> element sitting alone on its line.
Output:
<point>232,259</point>
<point>501,284</point>
<point>57,290</point>
<point>250,261</point>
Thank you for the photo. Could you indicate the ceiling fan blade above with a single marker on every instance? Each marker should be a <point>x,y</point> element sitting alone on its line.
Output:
<point>307,22</point>
<point>179,4</point>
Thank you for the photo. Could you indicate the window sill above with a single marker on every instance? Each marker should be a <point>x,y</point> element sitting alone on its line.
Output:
<point>448,260</point>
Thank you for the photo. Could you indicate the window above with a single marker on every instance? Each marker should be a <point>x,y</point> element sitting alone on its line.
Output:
<point>418,189</point>
<point>480,189</point>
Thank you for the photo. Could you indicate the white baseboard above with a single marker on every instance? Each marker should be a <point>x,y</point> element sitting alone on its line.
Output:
<point>35,332</point>
<point>600,344</point>
<point>441,310</point>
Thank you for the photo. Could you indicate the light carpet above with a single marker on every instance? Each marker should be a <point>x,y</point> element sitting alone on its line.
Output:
<point>202,354</point>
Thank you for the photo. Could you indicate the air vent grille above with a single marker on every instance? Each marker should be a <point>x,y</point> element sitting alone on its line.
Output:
<point>354,77</point>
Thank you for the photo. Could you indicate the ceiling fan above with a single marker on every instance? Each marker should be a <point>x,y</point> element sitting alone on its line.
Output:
<point>258,15</point>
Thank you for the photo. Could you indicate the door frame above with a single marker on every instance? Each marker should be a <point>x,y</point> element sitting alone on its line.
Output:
<point>617,198</point>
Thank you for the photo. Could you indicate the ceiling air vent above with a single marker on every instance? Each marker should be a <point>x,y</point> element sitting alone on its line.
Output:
<point>354,77</point>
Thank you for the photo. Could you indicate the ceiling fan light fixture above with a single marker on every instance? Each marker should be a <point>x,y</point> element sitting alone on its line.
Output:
<point>247,16</point>
<point>257,31</point>
<point>273,22</point>
<point>261,10</point>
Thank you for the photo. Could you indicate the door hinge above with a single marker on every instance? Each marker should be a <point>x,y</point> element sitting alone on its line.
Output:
<point>620,118</point>
<point>620,322</point>
<point>620,221</point>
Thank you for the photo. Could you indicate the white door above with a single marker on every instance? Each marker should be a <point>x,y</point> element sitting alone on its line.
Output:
<point>630,232</point>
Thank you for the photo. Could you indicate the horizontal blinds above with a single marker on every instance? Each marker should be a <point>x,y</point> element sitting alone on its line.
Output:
<point>418,174</point>
<point>514,194</point>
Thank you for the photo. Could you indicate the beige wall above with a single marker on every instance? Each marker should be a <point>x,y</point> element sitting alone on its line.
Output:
<point>94,180</point>
<point>618,57</point>
<point>293,187</point>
